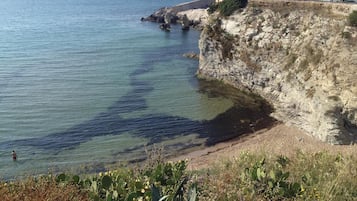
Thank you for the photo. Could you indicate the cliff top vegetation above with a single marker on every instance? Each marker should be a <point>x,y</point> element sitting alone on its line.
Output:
<point>317,176</point>
<point>228,7</point>
<point>352,18</point>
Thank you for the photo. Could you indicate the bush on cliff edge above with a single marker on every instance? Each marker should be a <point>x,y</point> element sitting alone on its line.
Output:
<point>227,7</point>
<point>352,19</point>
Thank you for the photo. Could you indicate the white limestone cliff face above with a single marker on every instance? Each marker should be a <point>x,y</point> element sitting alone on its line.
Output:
<point>302,60</point>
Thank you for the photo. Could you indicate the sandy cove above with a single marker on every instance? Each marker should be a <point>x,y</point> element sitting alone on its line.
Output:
<point>277,140</point>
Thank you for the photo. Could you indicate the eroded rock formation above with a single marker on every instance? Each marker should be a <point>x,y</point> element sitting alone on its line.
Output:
<point>301,58</point>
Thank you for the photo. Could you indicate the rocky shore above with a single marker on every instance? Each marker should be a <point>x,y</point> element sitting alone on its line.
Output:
<point>190,14</point>
<point>301,57</point>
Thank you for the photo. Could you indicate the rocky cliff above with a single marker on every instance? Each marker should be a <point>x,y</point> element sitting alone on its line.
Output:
<point>174,11</point>
<point>300,56</point>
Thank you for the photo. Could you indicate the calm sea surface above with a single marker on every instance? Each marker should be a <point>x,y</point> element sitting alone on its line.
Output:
<point>85,83</point>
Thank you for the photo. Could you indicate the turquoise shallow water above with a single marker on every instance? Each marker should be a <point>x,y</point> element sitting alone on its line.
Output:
<point>85,83</point>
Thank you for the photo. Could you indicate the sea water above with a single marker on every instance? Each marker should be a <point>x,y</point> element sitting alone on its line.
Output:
<point>86,83</point>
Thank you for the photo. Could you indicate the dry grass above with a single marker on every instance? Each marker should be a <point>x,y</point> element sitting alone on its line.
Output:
<point>321,176</point>
<point>310,92</point>
<point>333,10</point>
<point>38,189</point>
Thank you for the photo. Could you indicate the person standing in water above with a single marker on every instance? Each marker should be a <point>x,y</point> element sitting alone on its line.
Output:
<point>14,155</point>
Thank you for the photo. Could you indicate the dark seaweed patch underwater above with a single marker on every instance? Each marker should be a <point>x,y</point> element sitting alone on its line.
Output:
<point>248,110</point>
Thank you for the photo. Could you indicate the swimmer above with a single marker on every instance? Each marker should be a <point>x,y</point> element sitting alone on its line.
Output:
<point>14,155</point>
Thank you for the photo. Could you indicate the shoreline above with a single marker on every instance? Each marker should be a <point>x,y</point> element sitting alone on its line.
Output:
<point>280,139</point>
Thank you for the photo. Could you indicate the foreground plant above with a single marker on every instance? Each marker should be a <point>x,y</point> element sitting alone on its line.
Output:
<point>317,176</point>
<point>306,176</point>
<point>41,188</point>
<point>165,181</point>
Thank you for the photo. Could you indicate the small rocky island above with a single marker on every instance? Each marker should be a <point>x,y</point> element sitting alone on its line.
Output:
<point>190,14</point>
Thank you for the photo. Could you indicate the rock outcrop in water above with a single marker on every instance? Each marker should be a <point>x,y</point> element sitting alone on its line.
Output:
<point>300,56</point>
<point>177,13</point>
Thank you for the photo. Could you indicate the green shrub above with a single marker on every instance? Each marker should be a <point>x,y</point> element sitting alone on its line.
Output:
<point>227,7</point>
<point>346,35</point>
<point>352,19</point>
<point>271,184</point>
<point>212,8</point>
<point>302,177</point>
<point>164,181</point>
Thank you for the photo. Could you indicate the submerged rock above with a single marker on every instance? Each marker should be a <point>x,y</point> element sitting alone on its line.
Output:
<point>191,55</point>
<point>185,23</point>
<point>165,27</point>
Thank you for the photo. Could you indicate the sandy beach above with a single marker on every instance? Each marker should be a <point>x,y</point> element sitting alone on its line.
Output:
<point>280,139</point>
